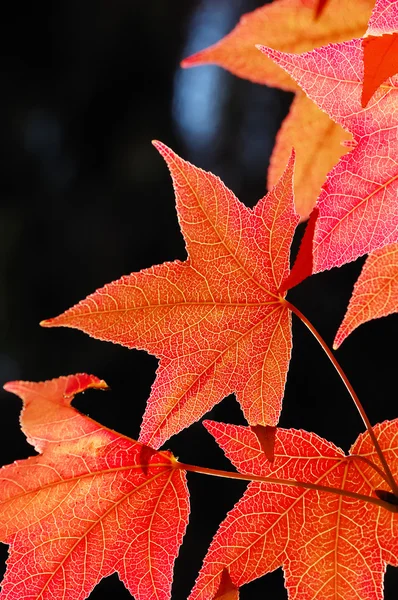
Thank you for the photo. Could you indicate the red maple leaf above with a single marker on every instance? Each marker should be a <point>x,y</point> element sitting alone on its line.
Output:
<point>358,209</point>
<point>293,26</point>
<point>384,18</point>
<point>375,293</point>
<point>216,321</point>
<point>330,546</point>
<point>380,47</point>
<point>85,507</point>
<point>380,56</point>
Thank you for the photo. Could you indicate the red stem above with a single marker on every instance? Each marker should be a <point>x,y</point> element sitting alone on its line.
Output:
<point>343,376</point>
<point>289,482</point>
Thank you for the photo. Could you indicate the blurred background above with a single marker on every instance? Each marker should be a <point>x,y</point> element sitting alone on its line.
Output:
<point>85,198</point>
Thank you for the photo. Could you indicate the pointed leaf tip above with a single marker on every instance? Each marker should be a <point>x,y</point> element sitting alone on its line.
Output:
<point>70,385</point>
<point>46,323</point>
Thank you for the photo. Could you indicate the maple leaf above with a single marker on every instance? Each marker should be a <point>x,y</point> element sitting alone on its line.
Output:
<point>287,25</point>
<point>84,508</point>
<point>358,210</point>
<point>293,26</point>
<point>216,321</point>
<point>330,546</point>
<point>375,293</point>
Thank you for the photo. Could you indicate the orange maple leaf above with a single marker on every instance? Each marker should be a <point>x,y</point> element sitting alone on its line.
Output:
<point>92,503</point>
<point>293,26</point>
<point>216,321</point>
<point>330,546</point>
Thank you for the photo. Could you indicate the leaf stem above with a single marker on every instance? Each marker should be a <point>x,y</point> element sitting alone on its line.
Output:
<point>343,376</point>
<point>288,482</point>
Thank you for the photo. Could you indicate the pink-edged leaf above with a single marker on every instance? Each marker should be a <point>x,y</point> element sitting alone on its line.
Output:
<point>375,292</point>
<point>329,546</point>
<point>216,321</point>
<point>358,208</point>
<point>84,507</point>
<point>384,18</point>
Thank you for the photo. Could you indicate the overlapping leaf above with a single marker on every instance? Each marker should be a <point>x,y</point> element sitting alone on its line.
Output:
<point>286,25</point>
<point>380,55</point>
<point>92,503</point>
<point>293,26</point>
<point>318,143</point>
<point>375,293</point>
<point>358,208</point>
<point>380,47</point>
<point>216,321</point>
<point>330,546</point>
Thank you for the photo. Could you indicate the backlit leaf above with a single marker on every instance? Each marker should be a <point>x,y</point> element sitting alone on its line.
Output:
<point>375,293</point>
<point>358,208</point>
<point>84,507</point>
<point>286,25</point>
<point>226,590</point>
<point>384,18</point>
<point>318,143</point>
<point>329,546</point>
<point>380,55</point>
<point>216,321</point>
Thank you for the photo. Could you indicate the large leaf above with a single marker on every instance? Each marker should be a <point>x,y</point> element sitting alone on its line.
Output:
<point>293,26</point>
<point>216,321</point>
<point>330,546</point>
<point>375,293</point>
<point>358,208</point>
<point>92,503</point>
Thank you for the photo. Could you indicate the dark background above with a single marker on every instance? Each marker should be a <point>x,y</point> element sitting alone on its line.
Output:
<point>85,198</point>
